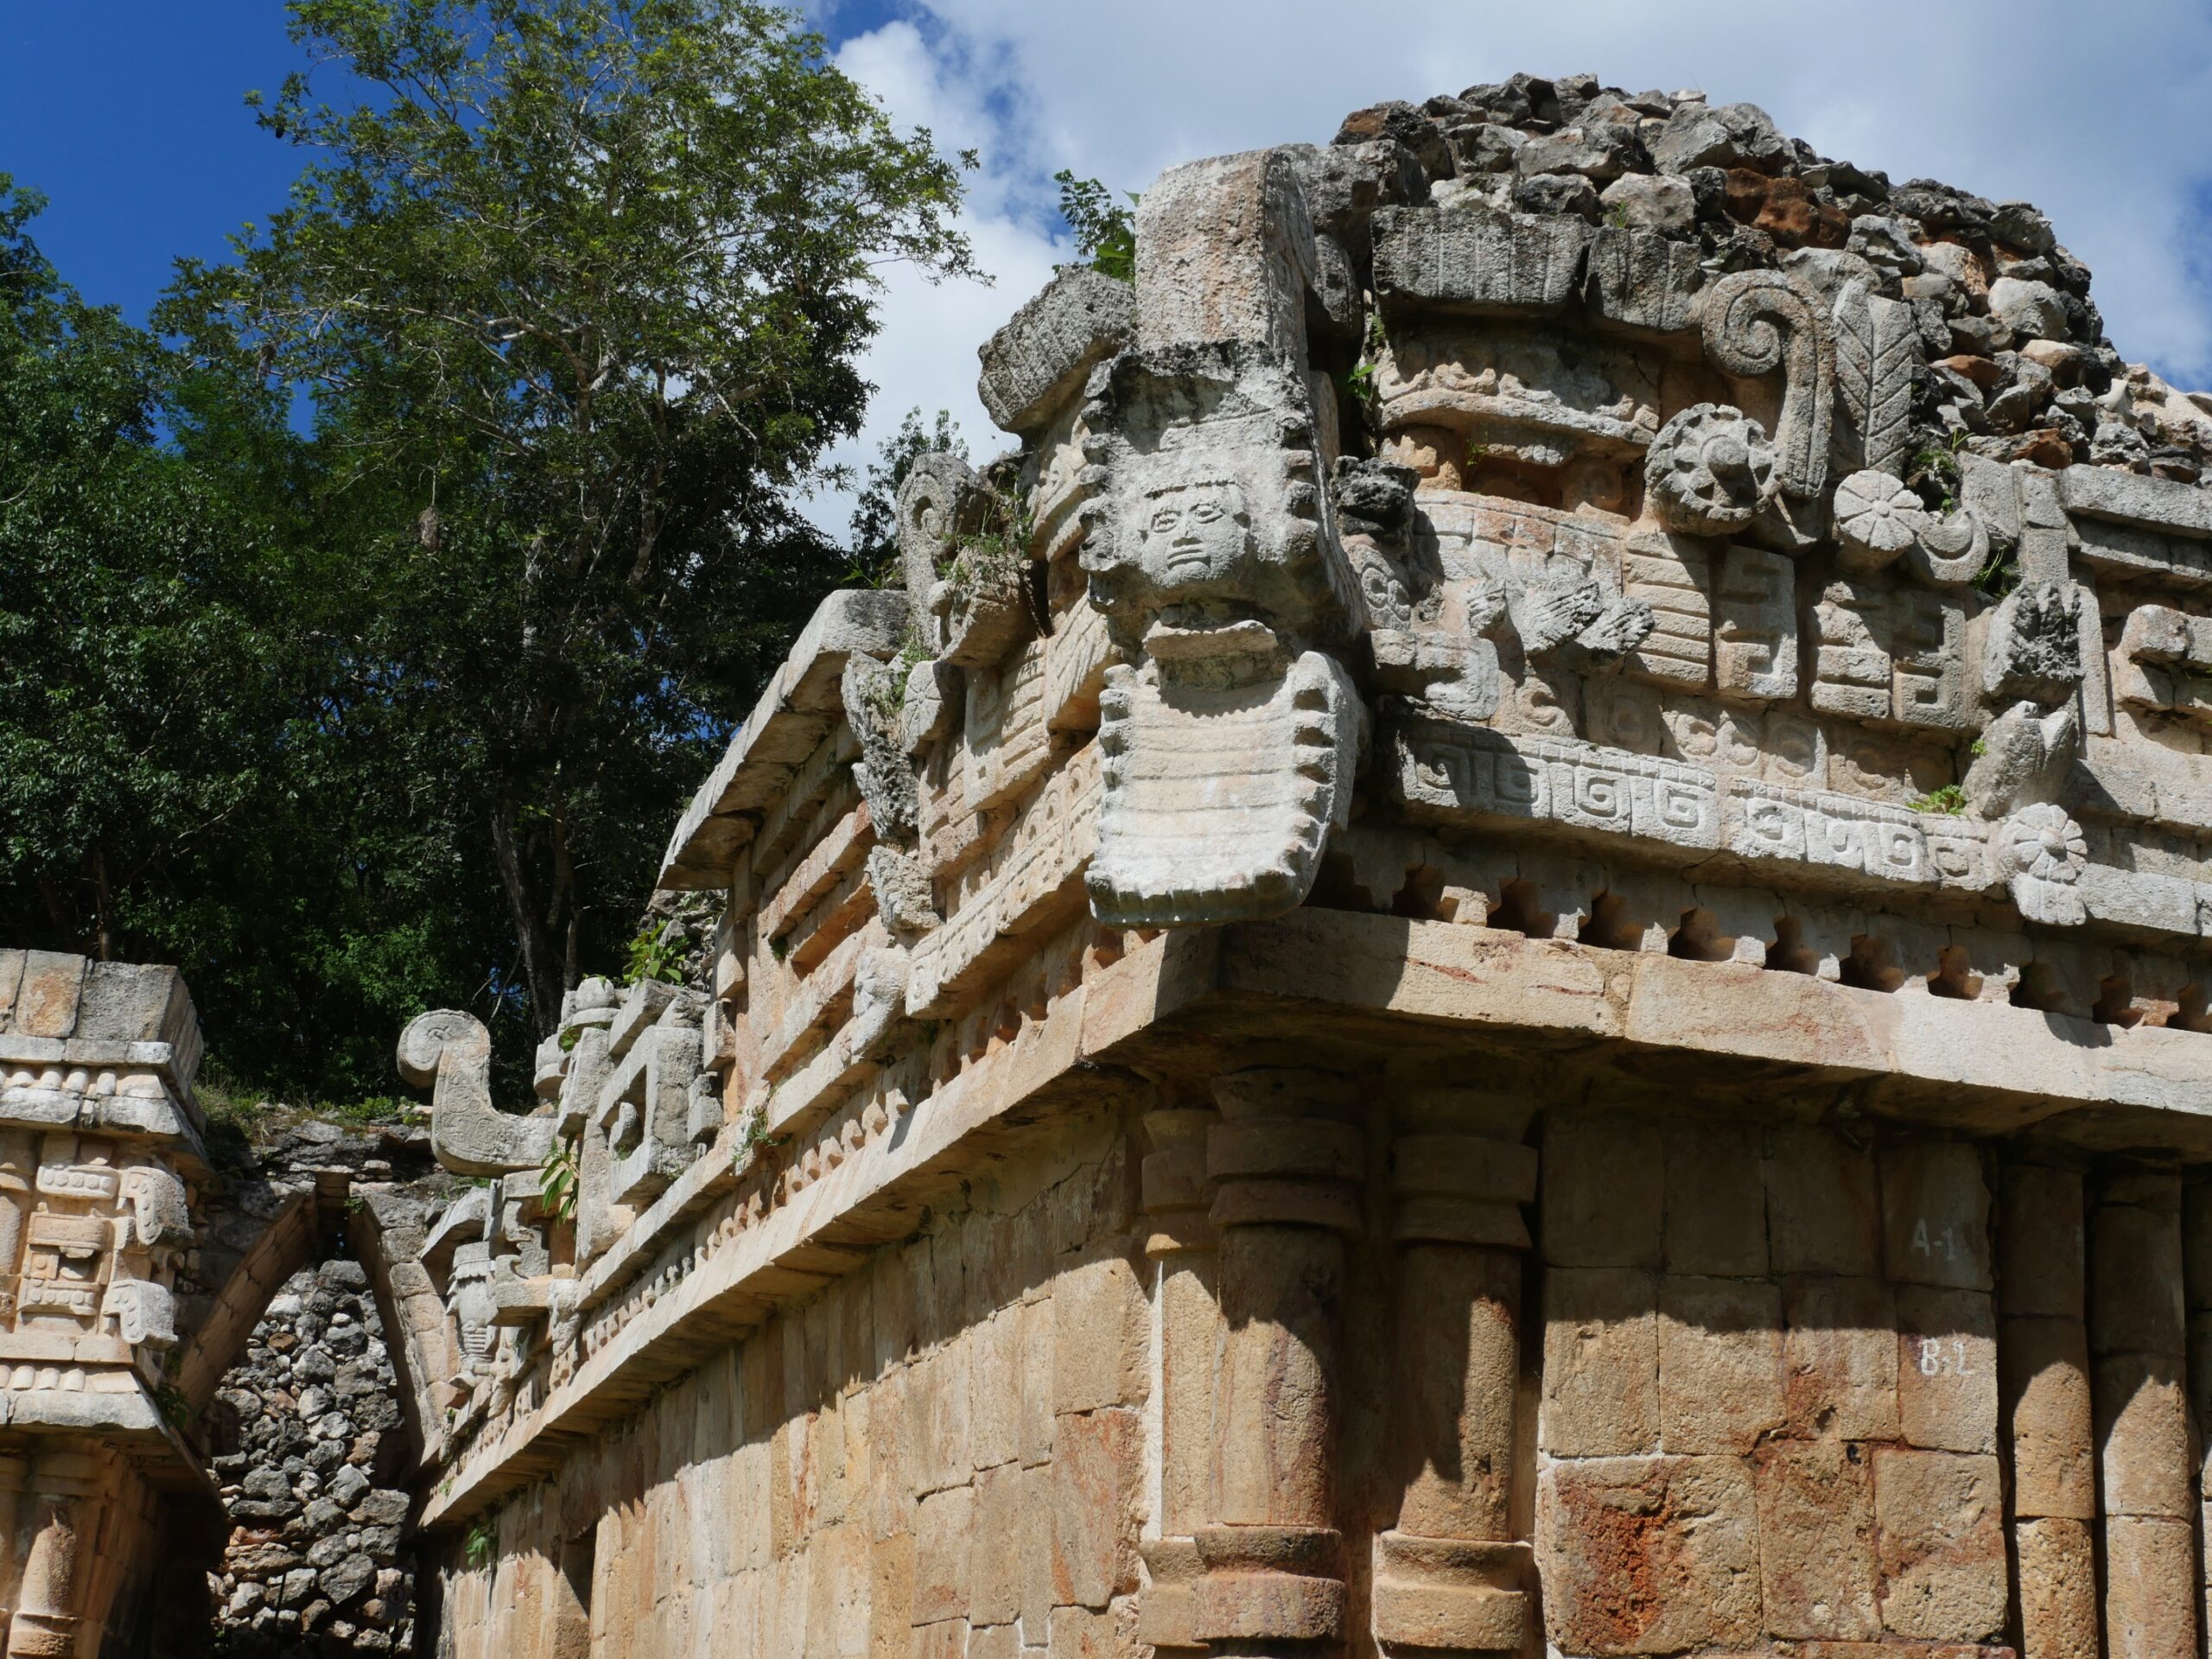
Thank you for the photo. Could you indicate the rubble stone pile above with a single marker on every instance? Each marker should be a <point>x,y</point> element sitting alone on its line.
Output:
<point>2018,366</point>
<point>310,1424</point>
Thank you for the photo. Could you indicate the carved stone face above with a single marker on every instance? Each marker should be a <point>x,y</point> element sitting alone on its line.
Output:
<point>1195,537</point>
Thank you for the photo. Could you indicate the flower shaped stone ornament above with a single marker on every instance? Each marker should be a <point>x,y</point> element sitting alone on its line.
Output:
<point>2041,852</point>
<point>1876,520</point>
<point>1710,470</point>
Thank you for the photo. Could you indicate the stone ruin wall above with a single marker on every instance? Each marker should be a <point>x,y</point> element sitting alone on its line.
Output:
<point>1570,760</point>
<point>306,1437</point>
<point>1506,951</point>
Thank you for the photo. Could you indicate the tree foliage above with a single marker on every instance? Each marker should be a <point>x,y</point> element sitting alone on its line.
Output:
<point>397,709</point>
<point>579,288</point>
<point>1105,233</point>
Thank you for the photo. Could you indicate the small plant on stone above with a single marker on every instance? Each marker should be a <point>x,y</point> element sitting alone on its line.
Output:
<point>653,957</point>
<point>756,1140</point>
<point>1999,576</point>
<point>1105,234</point>
<point>1935,473</point>
<point>480,1542</point>
<point>1949,801</point>
<point>169,1401</point>
<point>556,1180</point>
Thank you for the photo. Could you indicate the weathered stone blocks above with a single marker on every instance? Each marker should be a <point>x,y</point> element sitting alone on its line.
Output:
<point>1649,1555</point>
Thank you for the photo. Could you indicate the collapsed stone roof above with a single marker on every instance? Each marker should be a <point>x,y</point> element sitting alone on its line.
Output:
<point>2019,366</point>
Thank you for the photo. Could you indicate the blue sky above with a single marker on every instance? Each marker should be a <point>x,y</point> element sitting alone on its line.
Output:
<point>127,113</point>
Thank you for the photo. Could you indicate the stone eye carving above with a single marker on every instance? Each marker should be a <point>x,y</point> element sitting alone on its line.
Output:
<point>1710,470</point>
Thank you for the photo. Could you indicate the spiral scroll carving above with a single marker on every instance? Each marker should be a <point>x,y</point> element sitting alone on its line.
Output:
<point>1757,321</point>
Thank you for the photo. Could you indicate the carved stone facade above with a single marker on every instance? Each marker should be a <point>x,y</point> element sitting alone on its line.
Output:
<point>100,1144</point>
<point>1508,949</point>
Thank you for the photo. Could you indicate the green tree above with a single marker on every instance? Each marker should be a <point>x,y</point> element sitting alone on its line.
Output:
<point>1105,233</point>
<point>579,288</point>
<point>178,781</point>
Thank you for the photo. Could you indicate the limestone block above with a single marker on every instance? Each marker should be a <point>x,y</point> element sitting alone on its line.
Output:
<point>1604,1190</point>
<point>1817,1570</point>
<point>1947,1369</point>
<point>1459,1363</point>
<point>1225,252</point>
<point>995,1390</point>
<point>1941,1544</point>
<point>1033,1550</point>
<point>993,1642</point>
<point>2045,1371</point>
<point>1841,1357</point>
<point>1097,1465</point>
<point>1823,1214</point>
<point>2135,1280</point>
<point>2148,1462</point>
<point>2150,1572</point>
<point>1081,1633</point>
<point>1472,259</point>
<point>943,1537</point>
<point>2041,1243</point>
<point>946,1639</point>
<point>1721,1368</point>
<point>1601,1362</point>
<point>1459,1595</point>
<point>938,1453</point>
<point>1035,1427</point>
<point>47,994</point>
<point>1716,1199</point>
<point>2058,1589</point>
<point>1638,281</point>
<point>1099,1336</point>
<point>1040,358</point>
<point>1936,1214</point>
<point>994,1559</point>
<point>1649,1555</point>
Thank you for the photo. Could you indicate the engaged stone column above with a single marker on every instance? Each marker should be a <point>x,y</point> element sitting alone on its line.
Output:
<point>2196,1277</point>
<point>1287,1159</point>
<point>1449,1576</point>
<point>63,1523</point>
<point>1181,1241</point>
<point>14,1473</point>
<point>2147,1469</point>
<point>18,1162</point>
<point>2044,1358</point>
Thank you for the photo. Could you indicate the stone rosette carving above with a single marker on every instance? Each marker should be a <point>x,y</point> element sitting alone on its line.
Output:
<point>2043,851</point>
<point>1877,519</point>
<point>1711,470</point>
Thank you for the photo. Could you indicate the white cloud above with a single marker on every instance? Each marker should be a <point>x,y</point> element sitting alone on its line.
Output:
<point>2093,114</point>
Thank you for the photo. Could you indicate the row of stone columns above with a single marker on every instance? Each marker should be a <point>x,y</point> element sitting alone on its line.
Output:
<point>1249,1200</point>
<point>2094,1357</point>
